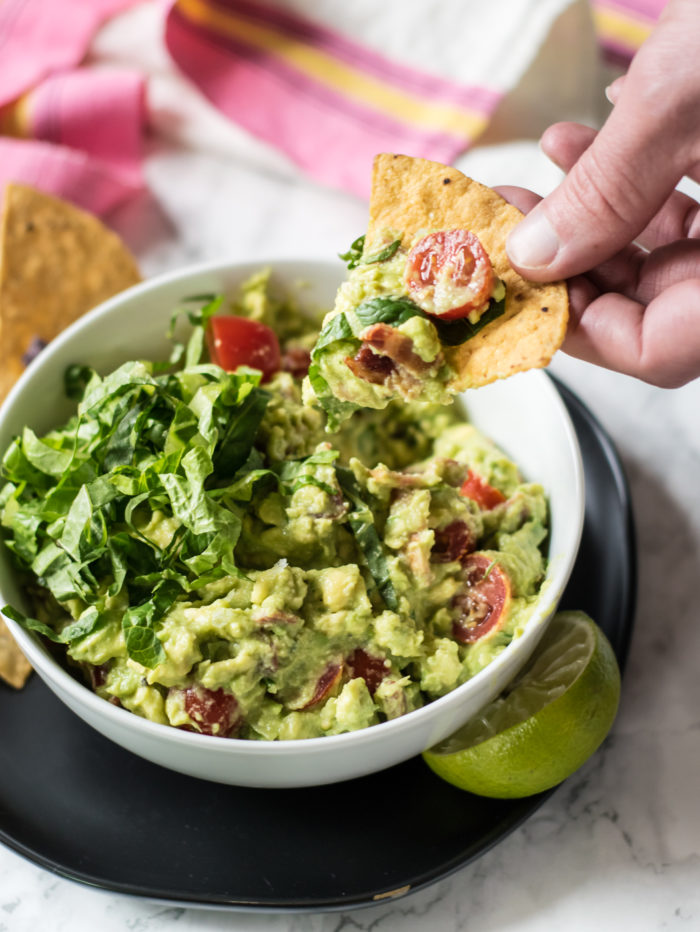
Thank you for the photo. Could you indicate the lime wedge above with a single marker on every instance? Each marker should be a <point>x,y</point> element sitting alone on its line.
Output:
<point>550,719</point>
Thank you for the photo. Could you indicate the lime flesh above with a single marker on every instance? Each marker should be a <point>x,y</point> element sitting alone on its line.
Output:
<point>545,725</point>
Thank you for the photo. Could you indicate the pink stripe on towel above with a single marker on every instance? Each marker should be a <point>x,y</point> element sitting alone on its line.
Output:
<point>99,112</point>
<point>41,37</point>
<point>85,180</point>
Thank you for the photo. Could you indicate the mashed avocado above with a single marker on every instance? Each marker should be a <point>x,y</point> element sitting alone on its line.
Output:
<point>212,559</point>
<point>384,340</point>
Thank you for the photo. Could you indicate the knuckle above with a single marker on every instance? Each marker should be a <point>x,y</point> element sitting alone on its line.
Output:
<point>606,190</point>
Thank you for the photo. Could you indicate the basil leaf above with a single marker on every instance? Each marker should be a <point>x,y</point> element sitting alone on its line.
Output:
<point>337,328</point>
<point>456,332</point>
<point>396,310</point>
<point>388,309</point>
<point>353,257</point>
<point>354,254</point>
<point>361,520</point>
<point>383,255</point>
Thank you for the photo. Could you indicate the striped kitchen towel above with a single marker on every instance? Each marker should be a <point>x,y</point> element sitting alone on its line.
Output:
<point>67,129</point>
<point>331,98</point>
<point>623,25</point>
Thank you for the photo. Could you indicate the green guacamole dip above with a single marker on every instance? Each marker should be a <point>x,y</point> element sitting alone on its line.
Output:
<point>377,344</point>
<point>211,558</point>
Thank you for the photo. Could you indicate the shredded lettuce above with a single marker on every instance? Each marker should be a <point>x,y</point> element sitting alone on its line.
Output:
<point>140,499</point>
<point>78,501</point>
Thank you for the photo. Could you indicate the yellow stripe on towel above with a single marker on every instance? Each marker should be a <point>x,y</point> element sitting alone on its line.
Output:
<point>340,77</point>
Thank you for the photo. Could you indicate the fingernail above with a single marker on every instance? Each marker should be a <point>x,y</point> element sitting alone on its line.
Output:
<point>533,244</point>
<point>610,94</point>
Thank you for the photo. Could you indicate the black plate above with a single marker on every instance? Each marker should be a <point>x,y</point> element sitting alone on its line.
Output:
<point>73,802</point>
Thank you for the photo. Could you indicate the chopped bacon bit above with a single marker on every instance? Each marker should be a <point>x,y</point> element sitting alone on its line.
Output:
<point>397,346</point>
<point>453,542</point>
<point>337,506</point>
<point>277,618</point>
<point>370,366</point>
<point>325,684</point>
<point>98,675</point>
<point>296,361</point>
<point>397,479</point>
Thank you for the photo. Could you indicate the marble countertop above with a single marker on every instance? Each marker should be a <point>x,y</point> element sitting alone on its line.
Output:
<point>618,843</point>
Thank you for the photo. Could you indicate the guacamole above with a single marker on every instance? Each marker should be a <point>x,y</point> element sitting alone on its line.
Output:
<point>431,305</point>
<point>210,557</point>
<point>392,322</point>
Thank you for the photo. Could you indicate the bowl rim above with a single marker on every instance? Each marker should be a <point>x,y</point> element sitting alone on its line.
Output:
<point>51,670</point>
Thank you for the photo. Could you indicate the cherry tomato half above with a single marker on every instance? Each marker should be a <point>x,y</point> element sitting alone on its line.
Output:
<point>214,711</point>
<point>482,604</point>
<point>449,274</point>
<point>370,668</point>
<point>479,491</point>
<point>237,341</point>
<point>453,542</point>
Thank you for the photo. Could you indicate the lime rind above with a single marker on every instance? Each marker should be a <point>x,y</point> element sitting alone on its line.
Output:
<point>549,721</point>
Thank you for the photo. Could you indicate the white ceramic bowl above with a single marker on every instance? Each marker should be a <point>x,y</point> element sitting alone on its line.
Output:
<point>524,415</point>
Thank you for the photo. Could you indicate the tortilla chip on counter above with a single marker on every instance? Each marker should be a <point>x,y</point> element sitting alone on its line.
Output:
<point>14,666</point>
<point>414,196</point>
<point>56,262</point>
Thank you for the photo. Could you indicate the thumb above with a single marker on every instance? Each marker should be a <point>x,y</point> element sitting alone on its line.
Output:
<point>608,197</point>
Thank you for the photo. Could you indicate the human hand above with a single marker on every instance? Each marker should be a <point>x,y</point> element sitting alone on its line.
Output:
<point>617,216</point>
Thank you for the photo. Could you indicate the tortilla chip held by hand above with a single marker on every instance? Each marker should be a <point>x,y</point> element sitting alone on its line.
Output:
<point>56,262</point>
<point>415,196</point>
<point>432,305</point>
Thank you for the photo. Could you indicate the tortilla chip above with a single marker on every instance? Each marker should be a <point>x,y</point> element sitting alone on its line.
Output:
<point>14,666</point>
<point>414,197</point>
<point>56,263</point>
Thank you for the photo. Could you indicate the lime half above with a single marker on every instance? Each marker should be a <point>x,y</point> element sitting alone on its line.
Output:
<point>549,720</point>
